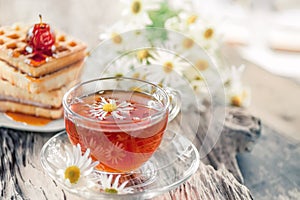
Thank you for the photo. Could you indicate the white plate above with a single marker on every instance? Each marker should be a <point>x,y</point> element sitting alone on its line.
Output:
<point>53,126</point>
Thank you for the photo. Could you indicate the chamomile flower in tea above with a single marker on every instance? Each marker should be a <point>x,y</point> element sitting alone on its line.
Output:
<point>104,107</point>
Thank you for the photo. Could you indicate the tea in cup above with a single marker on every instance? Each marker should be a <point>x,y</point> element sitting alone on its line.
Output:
<point>121,120</point>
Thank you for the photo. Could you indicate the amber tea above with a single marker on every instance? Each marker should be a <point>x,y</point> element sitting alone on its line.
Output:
<point>122,128</point>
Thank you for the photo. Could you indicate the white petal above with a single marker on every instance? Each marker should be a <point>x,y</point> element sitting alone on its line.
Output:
<point>116,183</point>
<point>126,109</point>
<point>77,154</point>
<point>87,165</point>
<point>90,168</point>
<point>69,156</point>
<point>110,179</point>
<point>103,100</point>
<point>123,185</point>
<point>84,163</point>
<point>117,116</point>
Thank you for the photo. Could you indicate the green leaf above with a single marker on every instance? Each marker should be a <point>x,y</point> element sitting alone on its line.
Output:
<point>158,18</point>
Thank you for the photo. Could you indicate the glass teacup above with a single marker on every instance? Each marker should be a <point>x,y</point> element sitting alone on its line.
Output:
<point>121,120</point>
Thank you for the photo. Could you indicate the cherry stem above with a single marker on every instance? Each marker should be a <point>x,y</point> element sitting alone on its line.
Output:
<point>40,16</point>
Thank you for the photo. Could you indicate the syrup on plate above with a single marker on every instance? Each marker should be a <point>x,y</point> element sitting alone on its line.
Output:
<point>28,119</point>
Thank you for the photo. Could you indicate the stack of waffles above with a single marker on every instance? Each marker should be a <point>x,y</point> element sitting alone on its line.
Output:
<point>34,84</point>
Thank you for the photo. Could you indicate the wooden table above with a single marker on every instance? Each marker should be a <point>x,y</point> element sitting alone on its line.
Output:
<point>268,171</point>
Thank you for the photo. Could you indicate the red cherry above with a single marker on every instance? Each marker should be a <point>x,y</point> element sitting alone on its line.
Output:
<point>41,38</point>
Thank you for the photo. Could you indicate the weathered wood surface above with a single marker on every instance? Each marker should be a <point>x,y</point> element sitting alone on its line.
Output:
<point>272,169</point>
<point>208,184</point>
<point>22,176</point>
<point>240,132</point>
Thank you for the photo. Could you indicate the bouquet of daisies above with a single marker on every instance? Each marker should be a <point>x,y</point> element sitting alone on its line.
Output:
<point>179,44</point>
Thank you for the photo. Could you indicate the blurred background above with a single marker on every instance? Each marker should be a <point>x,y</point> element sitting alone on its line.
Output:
<point>264,35</point>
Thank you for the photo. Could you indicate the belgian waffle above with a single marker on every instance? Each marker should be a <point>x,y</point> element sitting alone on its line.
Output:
<point>12,50</point>
<point>51,99</point>
<point>44,83</point>
<point>35,85</point>
<point>31,109</point>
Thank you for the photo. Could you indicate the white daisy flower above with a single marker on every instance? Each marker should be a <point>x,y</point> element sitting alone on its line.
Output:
<point>181,44</point>
<point>169,67</point>
<point>136,11</point>
<point>73,168</point>
<point>120,36</point>
<point>130,65</point>
<point>197,32</point>
<point>197,28</point>
<point>113,188</point>
<point>205,34</point>
<point>189,18</point>
<point>240,98</point>
<point>237,94</point>
<point>121,67</point>
<point>115,31</point>
<point>116,35</point>
<point>102,108</point>
<point>143,55</point>
<point>182,22</point>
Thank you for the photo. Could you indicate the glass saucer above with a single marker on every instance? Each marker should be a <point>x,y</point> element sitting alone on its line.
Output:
<point>172,164</point>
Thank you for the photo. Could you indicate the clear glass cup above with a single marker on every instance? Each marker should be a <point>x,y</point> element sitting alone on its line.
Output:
<point>121,120</point>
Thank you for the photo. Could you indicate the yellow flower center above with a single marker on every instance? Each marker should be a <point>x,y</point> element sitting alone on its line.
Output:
<point>116,38</point>
<point>136,75</point>
<point>208,33</point>
<point>73,174</point>
<point>201,64</point>
<point>136,7</point>
<point>236,101</point>
<point>187,43</point>
<point>111,190</point>
<point>143,54</point>
<point>118,75</point>
<point>109,107</point>
<point>191,19</point>
<point>168,67</point>
<point>195,87</point>
<point>198,78</point>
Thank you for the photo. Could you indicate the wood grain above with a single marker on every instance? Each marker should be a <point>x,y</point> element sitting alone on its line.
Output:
<point>208,184</point>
